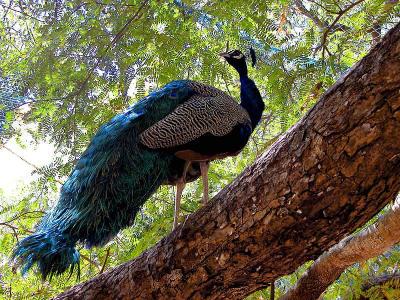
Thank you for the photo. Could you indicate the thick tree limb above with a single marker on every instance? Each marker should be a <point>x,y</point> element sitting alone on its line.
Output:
<point>368,243</point>
<point>324,178</point>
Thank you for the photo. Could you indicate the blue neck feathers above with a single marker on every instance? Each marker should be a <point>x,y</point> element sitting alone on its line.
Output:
<point>251,99</point>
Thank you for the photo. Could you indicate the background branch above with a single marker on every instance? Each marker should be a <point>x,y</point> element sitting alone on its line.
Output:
<point>370,242</point>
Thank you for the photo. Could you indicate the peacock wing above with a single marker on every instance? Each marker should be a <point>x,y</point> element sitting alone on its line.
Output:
<point>111,145</point>
<point>215,113</point>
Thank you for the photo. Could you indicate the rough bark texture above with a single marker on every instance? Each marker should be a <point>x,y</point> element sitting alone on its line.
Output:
<point>370,242</point>
<point>325,177</point>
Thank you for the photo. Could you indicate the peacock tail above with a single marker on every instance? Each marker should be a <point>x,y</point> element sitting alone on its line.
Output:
<point>108,186</point>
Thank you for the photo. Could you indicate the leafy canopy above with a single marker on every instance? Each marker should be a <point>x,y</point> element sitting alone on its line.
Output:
<point>69,66</point>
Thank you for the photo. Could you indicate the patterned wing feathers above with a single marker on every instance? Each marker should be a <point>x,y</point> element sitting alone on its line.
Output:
<point>209,112</point>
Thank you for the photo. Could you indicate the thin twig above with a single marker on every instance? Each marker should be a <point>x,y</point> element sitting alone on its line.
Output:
<point>105,261</point>
<point>20,157</point>
<point>170,204</point>
<point>317,21</point>
<point>15,227</point>
<point>226,85</point>
<point>116,38</point>
<point>114,5</point>
<point>22,13</point>
<point>321,6</point>
<point>92,262</point>
<point>25,213</point>
<point>6,11</point>
<point>340,14</point>
<point>12,227</point>
<point>272,295</point>
<point>27,162</point>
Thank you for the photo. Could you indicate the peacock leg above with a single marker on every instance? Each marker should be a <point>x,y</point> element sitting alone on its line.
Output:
<point>204,174</point>
<point>179,189</point>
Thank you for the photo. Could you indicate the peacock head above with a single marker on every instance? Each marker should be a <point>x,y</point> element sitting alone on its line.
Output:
<point>238,60</point>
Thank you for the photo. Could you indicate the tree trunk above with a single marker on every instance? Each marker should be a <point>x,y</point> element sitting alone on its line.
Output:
<point>324,178</point>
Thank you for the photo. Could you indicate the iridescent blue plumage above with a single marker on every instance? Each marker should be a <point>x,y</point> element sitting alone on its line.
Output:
<point>108,186</point>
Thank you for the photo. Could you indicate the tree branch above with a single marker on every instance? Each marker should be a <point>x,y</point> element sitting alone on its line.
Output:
<point>375,29</point>
<point>341,13</point>
<point>105,261</point>
<point>370,242</point>
<point>18,216</point>
<point>90,261</point>
<point>21,12</point>
<point>113,42</point>
<point>380,281</point>
<point>323,25</point>
<point>27,162</point>
<point>325,177</point>
<point>272,296</point>
<point>317,21</point>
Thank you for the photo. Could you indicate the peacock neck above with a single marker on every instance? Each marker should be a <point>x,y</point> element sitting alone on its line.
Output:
<point>251,99</point>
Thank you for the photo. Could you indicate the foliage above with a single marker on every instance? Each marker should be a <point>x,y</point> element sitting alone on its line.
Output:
<point>76,64</point>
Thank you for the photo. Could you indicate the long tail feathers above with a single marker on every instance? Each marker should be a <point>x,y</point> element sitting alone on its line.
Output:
<point>110,183</point>
<point>53,252</point>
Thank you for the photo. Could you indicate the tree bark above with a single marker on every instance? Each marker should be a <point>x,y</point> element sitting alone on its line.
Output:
<point>327,176</point>
<point>370,242</point>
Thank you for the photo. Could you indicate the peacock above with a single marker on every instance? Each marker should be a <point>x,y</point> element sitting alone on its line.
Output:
<point>168,137</point>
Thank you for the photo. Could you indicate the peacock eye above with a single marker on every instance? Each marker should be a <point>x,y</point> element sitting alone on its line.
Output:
<point>238,56</point>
